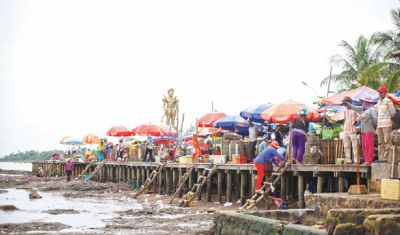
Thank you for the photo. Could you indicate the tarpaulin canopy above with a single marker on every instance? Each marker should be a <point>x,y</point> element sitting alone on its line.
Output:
<point>208,119</point>
<point>119,131</point>
<point>153,130</point>
<point>233,123</point>
<point>288,111</point>
<point>91,139</point>
<point>356,95</point>
<point>254,113</point>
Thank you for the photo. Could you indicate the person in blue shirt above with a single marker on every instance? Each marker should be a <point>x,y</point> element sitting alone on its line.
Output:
<point>263,145</point>
<point>266,157</point>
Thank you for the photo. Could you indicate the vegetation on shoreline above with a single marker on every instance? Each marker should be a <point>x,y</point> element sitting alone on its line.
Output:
<point>28,156</point>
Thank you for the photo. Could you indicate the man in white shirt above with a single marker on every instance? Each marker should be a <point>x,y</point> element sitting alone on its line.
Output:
<point>253,140</point>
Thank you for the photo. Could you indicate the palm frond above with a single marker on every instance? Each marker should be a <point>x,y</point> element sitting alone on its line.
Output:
<point>393,82</point>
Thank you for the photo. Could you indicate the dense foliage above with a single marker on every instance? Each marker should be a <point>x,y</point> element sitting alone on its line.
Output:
<point>31,155</point>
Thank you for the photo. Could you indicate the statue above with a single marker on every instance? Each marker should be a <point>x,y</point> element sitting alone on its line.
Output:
<point>171,108</point>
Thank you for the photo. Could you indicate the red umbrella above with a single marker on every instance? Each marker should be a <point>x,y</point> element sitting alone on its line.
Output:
<point>208,119</point>
<point>288,111</point>
<point>153,130</point>
<point>119,131</point>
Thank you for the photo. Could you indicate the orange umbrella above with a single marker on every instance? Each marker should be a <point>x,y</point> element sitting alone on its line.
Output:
<point>208,119</point>
<point>64,138</point>
<point>91,139</point>
<point>288,111</point>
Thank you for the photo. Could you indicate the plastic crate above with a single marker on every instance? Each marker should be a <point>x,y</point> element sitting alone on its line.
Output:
<point>390,189</point>
<point>186,160</point>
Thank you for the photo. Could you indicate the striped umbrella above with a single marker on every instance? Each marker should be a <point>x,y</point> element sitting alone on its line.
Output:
<point>233,123</point>
<point>207,120</point>
<point>153,130</point>
<point>288,111</point>
<point>119,131</point>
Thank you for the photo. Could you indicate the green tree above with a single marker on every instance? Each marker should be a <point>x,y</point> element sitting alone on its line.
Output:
<point>356,64</point>
<point>389,41</point>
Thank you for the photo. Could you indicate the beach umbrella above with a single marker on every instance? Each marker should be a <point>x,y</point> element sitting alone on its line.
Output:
<point>254,113</point>
<point>153,130</point>
<point>73,141</point>
<point>287,111</point>
<point>233,123</point>
<point>64,138</point>
<point>91,139</point>
<point>356,95</point>
<point>119,131</point>
<point>207,120</point>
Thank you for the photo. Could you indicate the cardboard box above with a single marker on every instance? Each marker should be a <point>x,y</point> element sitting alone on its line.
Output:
<point>218,159</point>
<point>390,189</point>
<point>186,159</point>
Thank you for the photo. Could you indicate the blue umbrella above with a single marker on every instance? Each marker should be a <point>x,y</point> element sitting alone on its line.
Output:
<point>73,141</point>
<point>398,94</point>
<point>233,123</point>
<point>254,113</point>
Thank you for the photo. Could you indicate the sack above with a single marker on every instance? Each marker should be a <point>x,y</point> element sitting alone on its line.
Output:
<point>327,133</point>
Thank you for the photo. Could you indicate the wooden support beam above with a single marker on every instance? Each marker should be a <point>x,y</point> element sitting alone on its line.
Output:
<point>237,185</point>
<point>320,183</point>
<point>138,177</point>
<point>283,187</point>
<point>160,182</point>
<point>243,184</point>
<point>341,183</point>
<point>209,189</point>
<point>180,177</point>
<point>190,179</point>
<point>168,180</point>
<point>174,180</point>
<point>229,186</point>
<point>220,178</point>
<point>199,172</point>
<point>253,182</point>
<point>300,181</point>
<point>144,176</point>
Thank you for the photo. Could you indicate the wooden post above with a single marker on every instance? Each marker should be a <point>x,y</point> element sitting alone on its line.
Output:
<point>190,179</point>
<point>229,186</point>
<point>209,192</point>
<point>300,180</point>
<point>287,187</point>
<point>154,182</point>
<point>283,187</point>
<point>179,178</point>
<point>237,185</point>
<point>143,176</point>
<point>198,176</point>
<point>173,179</point>
<point>160,181</point>
<point>341,183</point>
<point>138,176</point>
<point>220,176</point>
<point>320,182</point>
<point>168,180</point>
<point>253,182</point>
<point>243,184</point>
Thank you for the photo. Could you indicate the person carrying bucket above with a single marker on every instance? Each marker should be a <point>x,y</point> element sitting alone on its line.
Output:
<point>267,157</point>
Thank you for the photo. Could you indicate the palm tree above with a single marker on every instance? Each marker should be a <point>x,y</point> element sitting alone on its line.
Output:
<point>356,65</point>
<point>389,41</point>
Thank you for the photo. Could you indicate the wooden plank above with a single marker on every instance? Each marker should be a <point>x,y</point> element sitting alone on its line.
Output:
<point>229,186</point>
<point>219,186</point>
<point>300,180</point>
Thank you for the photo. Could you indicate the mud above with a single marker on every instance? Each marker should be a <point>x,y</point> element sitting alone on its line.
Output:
<point>61,211</point>
<point>151,215</point>
<point>35,226</point>
<point>8,208</point>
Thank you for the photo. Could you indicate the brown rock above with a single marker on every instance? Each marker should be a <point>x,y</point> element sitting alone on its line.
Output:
<point>8,208</point>
<point>34,194</point>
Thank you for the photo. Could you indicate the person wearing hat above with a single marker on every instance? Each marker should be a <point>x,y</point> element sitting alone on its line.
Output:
<point>386,111</point>
<point>299,136</point>
<point>266,157</point>
<point>253,133</point>
<point>350,141</point>
<point>369,117</point>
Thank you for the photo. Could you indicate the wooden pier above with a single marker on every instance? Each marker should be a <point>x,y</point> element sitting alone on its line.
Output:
<point>231,182</point>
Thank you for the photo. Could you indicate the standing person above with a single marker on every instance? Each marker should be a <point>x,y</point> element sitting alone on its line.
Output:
<point>209,142</point>
<point>384,128</point>
<point>121,149</point>
<point>253,140</point>
<point>299,136</point>
<point>149,149</point>
<point>266,157</point>
<point>369,117</point>
<point>350,141</point>
<point>263,145</point>
<point>101,151</point>
<point>68,168</point>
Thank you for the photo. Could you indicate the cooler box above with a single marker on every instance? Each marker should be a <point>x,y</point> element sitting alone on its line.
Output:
<point>218,159</point>
<point>186,159</point>
<point>390,189</point>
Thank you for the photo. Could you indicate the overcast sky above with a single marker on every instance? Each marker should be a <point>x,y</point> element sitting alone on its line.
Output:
<point>75,67</point>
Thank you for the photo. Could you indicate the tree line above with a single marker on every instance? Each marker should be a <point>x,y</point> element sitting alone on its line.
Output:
<point>27,156</point>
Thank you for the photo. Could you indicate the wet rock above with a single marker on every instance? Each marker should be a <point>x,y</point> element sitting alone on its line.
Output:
<point>348,229</point>
<point>3,191</point>
<point>33,194</point>
<point>382,224</point>
<point>211,210</point>
<point>61,211</point>
<point>33,226</point>
<point>8,208</point>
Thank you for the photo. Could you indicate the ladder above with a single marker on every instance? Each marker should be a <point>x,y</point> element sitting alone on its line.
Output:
<point>266,188</point>
<point>196,189</point>
<point>149,180</point>
<point>85,170</point>
<point>98,167</point>
<point>182,182</point>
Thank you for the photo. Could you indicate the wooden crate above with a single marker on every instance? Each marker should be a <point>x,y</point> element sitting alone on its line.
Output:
<point>390,189</point>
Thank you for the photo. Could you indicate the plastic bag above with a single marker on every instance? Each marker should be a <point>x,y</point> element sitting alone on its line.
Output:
<point>327,133</point>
